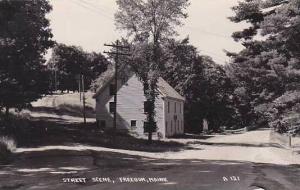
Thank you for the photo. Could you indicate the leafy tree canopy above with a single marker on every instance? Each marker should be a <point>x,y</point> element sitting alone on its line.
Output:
<point>25,36</point>
<point>69,62</point>
<point>268,67</point>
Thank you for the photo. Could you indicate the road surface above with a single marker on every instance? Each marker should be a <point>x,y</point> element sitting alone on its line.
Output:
<point>50,169</point>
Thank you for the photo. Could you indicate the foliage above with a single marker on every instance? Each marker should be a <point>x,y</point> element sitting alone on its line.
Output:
<point>69,62</point>
<point>150,20</point>
<point>150,23</point>
<point>266,69</point>
<point>204,84</point>
<point>24,38</point>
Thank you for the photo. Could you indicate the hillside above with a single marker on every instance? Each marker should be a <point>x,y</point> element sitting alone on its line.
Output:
<point>63,108</point>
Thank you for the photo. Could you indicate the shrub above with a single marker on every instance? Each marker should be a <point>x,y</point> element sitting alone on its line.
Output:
<point>7,147</point>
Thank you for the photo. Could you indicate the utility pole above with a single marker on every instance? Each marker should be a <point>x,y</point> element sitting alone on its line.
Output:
<point>83,98</point>
<point>54,72</point>
<point>117,54</point>
<point>55,79</point>
<point>79,86</point>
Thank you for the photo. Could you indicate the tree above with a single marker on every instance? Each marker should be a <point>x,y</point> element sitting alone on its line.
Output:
<point>150,23</point>
<point>269,68</point>
<point>204,83</point>
<point>25,37</point>
<point>71,61</point>
<point>97,64</point>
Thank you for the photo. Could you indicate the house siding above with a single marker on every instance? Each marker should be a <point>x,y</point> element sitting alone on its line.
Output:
<point>130,106</point>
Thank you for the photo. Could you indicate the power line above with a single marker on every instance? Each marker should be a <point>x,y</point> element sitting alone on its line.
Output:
<point>95,6</point>
<point>79,3</point>
<point>92,7</point>
<point>209,33</point>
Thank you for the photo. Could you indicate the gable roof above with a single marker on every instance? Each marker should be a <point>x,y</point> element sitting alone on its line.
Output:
<point>167,90</point>
<point>163,86</point>
<point>104,79</point>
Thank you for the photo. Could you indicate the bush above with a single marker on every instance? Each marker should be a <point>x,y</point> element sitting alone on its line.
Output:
<point>7,147</point>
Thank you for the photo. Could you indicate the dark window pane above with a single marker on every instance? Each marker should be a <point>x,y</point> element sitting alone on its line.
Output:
<point>147,106</point>
<point>133,123</point>
<point>175,107</point>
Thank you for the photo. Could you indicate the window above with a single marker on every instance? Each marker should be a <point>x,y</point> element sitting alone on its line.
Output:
<point>112,107</point>
<point>112,90</point>
<point>179,107</point>
<point>171,127</point>
<point>133,123</point>
<point>175,107</point>
<point>147,106</point>
<point>168,107</point>
<point>146,127</point>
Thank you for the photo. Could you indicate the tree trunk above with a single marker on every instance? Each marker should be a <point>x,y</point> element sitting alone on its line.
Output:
<point>150,137</point>
<point>153,85</point>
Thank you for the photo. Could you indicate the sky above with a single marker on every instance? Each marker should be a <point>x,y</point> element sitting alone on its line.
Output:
<point>90,24</point>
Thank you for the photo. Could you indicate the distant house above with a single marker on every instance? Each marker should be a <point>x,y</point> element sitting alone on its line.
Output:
<point>132,105</point>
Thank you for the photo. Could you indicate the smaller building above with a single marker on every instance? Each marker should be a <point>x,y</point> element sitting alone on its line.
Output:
<point>131,105</point>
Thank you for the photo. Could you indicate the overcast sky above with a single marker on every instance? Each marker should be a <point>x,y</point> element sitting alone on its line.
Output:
<point>90,24</point>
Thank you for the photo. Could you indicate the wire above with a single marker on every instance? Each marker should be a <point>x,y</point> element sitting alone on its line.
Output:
<point>94,5</point>
<point>79,3</point>
<point>209,33</point>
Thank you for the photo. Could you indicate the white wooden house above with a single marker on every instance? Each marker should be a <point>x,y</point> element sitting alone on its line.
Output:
<point>131,115</point>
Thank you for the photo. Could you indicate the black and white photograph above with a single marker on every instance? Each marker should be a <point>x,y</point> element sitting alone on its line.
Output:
<point>150,94</point>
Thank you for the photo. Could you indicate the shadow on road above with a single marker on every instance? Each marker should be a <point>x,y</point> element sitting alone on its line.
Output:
<point>45,170</point>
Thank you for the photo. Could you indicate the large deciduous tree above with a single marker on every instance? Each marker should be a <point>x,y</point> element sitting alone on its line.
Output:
<point>25,37</point>
<point>268,68</point>
<point>204,83</point>
<point>150,23</point>
<point>69,62</point>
